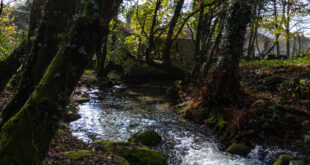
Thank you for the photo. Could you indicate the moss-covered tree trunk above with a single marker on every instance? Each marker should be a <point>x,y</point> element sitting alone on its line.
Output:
<point>222,83</point>
<point>44,48</point>
<point>35,17</point>
<point>10,64</point>
<point>101,55</point>
<point>25,138</point>
<point>172,25</point>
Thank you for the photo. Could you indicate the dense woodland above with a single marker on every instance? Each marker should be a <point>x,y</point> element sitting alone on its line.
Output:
<point>240,68</point>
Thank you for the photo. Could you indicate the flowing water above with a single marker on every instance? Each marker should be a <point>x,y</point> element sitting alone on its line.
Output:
<point>118,113</point>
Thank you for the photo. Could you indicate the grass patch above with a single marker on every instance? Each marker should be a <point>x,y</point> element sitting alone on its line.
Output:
<point>298,62</point>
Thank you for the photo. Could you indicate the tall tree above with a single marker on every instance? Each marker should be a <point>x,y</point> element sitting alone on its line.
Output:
<point>172,25</point>
<point>151,42</point>
<point>101,55</point>
<point>222,83</point>
<point>43,51</point>
<point>10,64</point>
<point>25,138</point>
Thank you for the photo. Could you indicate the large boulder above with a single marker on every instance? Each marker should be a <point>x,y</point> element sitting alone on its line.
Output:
<point>133,153</point>
<point>283,160</point>
<point>238,149</point>
<point>147,138</point>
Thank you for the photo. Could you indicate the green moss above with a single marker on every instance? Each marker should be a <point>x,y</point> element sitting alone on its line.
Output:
<point>60,132</point>
<point>79,154</point>
<point>82,99</point>
<point>89,72</point>
<point>71,114</point>
<point>147,138</point>
<point>221,124</point>
<point>283,160</point>
<point>238,149</point>
<point>83,155</point>
<point>118,160</point>
<point>135,154</point>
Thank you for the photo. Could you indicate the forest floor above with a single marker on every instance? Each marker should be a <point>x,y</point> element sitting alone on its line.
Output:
<point>283,82</point>
<point>275,106</point>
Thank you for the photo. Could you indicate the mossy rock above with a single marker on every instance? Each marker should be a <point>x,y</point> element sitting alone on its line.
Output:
<point>133,153</point>
<point>147,138</point>
<point>71,114</point>
<point>84,155</point>
<point>238,149</point>
<point>283,160</point>
<point>79,154</point>
<point>83,99</point>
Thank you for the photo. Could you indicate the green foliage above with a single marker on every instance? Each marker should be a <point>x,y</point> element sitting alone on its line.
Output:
<point>296,88</point>
<point>9,36</point>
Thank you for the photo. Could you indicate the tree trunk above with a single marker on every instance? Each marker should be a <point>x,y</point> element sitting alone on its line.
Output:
<point>35,18</point>
<point>10,64</point>
<point>276,26</point>
<point>101,55</point>
<point>25,138</point>
<point>172,25</point>
<point>287,29</point>
<point>151,44</point>
<point>222,83</point>
<point>197,65</point>
<point>43,51</point>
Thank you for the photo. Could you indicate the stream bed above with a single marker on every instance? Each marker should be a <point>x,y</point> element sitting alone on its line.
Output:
<point>116,114</point>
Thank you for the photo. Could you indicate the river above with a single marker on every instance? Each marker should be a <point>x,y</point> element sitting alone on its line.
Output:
<point>117,113</point>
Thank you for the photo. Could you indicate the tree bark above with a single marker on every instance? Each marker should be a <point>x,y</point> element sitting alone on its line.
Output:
<point>172,25</point>
<point>10,64</point>
<point>197,65</point>
<point>45,46</point>
<point>287,28</point>
<point>101,55</point>
<point>276,26</point>
<point>222,84</point>
<point>25,138</point>
<point>151,44</point>
<point>35,18</point>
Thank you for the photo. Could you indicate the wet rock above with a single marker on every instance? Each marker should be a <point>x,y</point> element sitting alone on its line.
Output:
<point>83,99</point>
<point>147,138</point>
<point>298,162</point>
<point>238,149</point>
<point>283,160</point>
<point>172,93</point>
<point>133,153</point>
<point>72,114</point>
